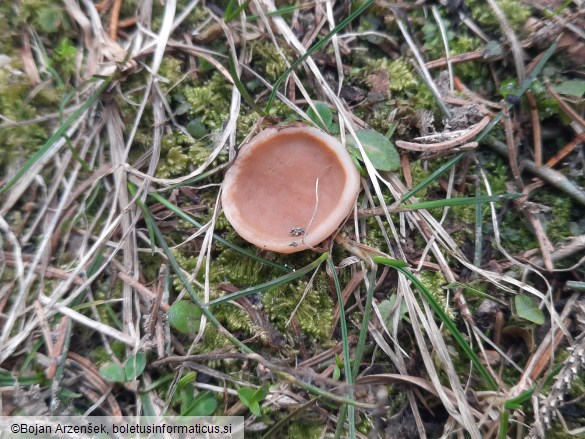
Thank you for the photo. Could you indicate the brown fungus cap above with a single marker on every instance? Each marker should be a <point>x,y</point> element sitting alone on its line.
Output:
<point>290,188</point>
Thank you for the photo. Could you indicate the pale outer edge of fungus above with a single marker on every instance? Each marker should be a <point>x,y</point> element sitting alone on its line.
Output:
<point>317,233</point>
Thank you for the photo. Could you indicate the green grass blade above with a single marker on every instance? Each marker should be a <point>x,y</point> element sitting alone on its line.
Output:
<point>359,349</point>
<point>314,48</point>
<point>463,201</point>
<point>346,360</point>
<point>270,284</point>
<point>433,177</point>
<point>56,136</point>
<point>218,238</point>
<point>477,292</point>
<point>504,422</point>
<point>9,379</point>
<point>444,318</point>
<point>242,88</point>
<point>231,13</point>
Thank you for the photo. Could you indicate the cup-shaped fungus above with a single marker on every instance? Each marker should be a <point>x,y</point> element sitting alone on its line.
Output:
<point>290,188</point>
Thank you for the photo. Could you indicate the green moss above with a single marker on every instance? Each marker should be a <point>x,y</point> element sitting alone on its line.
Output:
<point>314,314</point>
<point>434,281</point>
<point>181,153</point>
<point>171,69</point>
<point>267,60</point>
<point>243,272</point>
<point>400,75</point>
<point>300,429</point>
<point>210,101</point>
<point>516,12</point>
<point>17,142</point>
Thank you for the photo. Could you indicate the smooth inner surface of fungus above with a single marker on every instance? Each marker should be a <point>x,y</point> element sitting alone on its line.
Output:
<point>284,187</point>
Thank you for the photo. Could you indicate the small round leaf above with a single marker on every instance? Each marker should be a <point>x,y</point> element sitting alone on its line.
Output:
<point>113,372</point>
<point>185,317</point>
<point>379,149</point>
<point>526,309</point>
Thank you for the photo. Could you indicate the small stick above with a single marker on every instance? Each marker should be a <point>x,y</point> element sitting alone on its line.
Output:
<point>405,162</point>
<point>325,355</point>
<point>127,22</point>
<point>141,289</point>
<point>543,241</point>
<point>462,102</point>
<point>61,331</point>
<point>536,132</point>
<point>566,150</point>
<point>512,156</point>
<point>461,87</point>
<point>115,19</point>
<point>567,109</point>
<point>435,147</point>
<point>577,245</point>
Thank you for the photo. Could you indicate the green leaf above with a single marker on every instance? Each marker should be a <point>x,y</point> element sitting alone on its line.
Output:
<point>204,404</point>
<point>49,19</point>
<point>516,402</point>
<point>251,397</point>
<point>336,373</point>
<point>254,407</point>
<point>261,393</point>
<point>323,118</point>
<point>379,149</point>
<point>526,309</point>
<point>493,49</point>
<point>197,128</point>
<point>573,87</point>
<point>386,306</point>
<point>113,372</point>
<point>186,379</point>
<point>246,395</point>
<point>185,317</point>
<point>134,365</point>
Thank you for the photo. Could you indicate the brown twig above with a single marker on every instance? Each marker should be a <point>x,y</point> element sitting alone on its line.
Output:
<point>157,303</point>
<point>511,145</point>
<point>567,109</point>
<point>142,289</point>
<point>536,131</point>
<point>115,19</point>
<point>405,162</point>
<point>462,88</point>
<point>57,346</point>
<point>565,151</point>
<point>576,245</point>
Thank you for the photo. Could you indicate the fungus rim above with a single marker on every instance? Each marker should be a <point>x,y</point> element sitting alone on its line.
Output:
<point>319,231</point>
